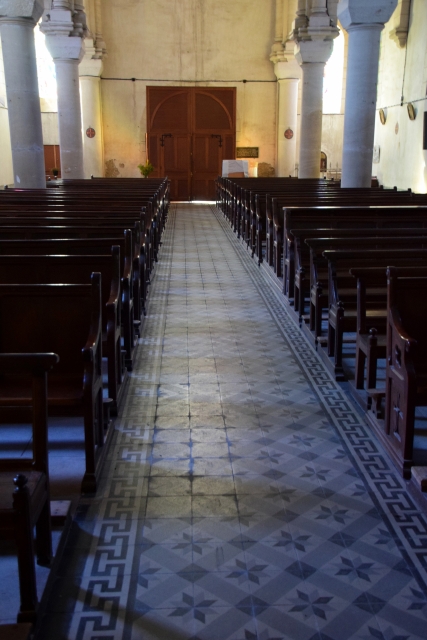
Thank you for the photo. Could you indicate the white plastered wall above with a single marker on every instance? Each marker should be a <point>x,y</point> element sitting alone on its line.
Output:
<point>50,127</point>
<point>6,169</point>
<point>168,42</point>
<point>403,72</point>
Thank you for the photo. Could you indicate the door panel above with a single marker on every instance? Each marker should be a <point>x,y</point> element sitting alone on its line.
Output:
<point>207,160</point>
<point>169,109</point>
<point>52,159</point>
<point>190,131</point>
<point>210,114</point>
<point>176,163</point>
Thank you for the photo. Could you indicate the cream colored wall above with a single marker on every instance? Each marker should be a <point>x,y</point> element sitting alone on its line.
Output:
<point>174,42</point>
<point>332,140</point>
<point>402,159</point>
<point>333,124</point>
<point>50,127</point>
<point>6,169</point>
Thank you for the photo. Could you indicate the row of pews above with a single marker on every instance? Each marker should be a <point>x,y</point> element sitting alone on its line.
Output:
<point>352,265</point>
<point>75,266</point>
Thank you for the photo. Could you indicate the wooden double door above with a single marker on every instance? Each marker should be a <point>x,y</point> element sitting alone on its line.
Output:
<point>190,131</point>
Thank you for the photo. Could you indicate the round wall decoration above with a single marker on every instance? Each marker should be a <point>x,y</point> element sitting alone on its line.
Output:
<point>411,111</point>
<point>90,132</point>
<point>289,134</point>
<point>383,116</point>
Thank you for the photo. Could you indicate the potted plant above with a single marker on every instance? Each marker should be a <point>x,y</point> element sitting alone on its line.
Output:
<point>55,172</point>
<point>146,168</point>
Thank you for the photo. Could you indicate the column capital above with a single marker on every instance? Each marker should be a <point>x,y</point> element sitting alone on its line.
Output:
<point>287,69</point>
<point>63,35</point>
<point>90,65</point>
<point>353,13</point>
<point>77,14</point>
<point>277,52</point>
<point>15,9</point>
<point>313,23</point>
<point>312,51</point>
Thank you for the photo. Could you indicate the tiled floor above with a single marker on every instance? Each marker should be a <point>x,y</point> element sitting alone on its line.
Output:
<point>243,497</point>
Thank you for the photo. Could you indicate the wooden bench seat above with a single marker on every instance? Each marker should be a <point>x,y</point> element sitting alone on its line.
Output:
<point>33,202</point>
<point>320,274</point>
<point>75,269</point>
<point>301,254</point>
<point>24,482</point>
<point>371,344</point>
<point>63,227</point>
<point>64,319</point>
<point>341,218</point>
<point>20,631</point>
<point>27,231</point>
<point>342,310</point>
<point>130,277</point>
<point>406,364</point>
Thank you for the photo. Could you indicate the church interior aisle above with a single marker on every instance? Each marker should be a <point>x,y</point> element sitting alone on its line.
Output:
<point>243,498</point>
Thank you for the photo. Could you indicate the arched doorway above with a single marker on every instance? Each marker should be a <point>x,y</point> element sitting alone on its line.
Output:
<point>323,162</point>
<point>190,131</point>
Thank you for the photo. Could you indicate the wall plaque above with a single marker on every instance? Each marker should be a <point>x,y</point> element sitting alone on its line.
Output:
<point>90,132</point>
<point>289,134</point>
<point>247,152</point>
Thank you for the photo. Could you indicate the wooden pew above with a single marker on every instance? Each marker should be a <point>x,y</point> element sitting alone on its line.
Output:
<point>64,319</point>
<point>301,255</point>
<point>83,230</point>
<point>90,202</point>
<point>319,272</point>
<point>246,213</point>
<point>95,246</point>
<point>19,631</point>
<point>342,217</point>
<point>28,505</point>
<point>406,364</point>
<point>320,193</point>
<point>37,226</point>
<point>342,292</point>
<point>251,196</point>
<point>370,342</point>
<point>77,269</point>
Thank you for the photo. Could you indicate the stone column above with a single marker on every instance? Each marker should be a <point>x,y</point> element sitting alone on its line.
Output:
<point>288,78</point>
<point>17,21</point>
<point>90,70</point>
<point>64,30</point>
<point>312,56</point>
<point>364,22</point>
<point>288,73</point>
<point>313,48</point>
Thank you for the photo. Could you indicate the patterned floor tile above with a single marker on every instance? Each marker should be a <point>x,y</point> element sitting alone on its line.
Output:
<point>213,485</point>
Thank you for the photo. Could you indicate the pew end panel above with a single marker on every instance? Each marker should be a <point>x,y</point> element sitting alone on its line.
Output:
<point>28,505</point>
<point>65,319</point>
<point>76,269</point>
<point>370,338</point>
<point>406,365</point>
<point>342,292</point>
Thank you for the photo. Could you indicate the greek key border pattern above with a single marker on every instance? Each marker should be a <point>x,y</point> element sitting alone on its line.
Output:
<point>387,490</point>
